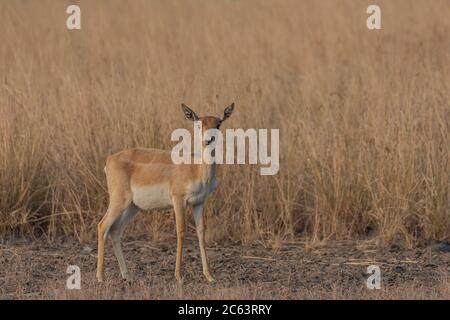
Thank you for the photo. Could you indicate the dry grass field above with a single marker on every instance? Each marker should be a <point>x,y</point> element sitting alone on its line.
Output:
<point>364,119</point>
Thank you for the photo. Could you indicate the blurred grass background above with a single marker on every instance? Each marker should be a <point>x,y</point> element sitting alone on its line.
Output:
<point>364,116</point>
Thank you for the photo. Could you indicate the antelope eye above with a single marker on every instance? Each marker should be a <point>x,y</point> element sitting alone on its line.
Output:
<point>211,140</point>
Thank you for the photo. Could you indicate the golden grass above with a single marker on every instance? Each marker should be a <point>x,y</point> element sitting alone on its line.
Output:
<point>364,116</point>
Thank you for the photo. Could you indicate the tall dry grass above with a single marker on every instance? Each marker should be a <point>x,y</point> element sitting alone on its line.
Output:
<point>364,116</point>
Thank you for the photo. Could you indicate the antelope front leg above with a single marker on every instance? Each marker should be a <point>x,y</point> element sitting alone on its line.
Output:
<point>181,226</point>
<point>200,226</point>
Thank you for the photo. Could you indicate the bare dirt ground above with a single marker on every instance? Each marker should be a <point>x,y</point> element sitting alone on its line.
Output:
<point>293,271</point>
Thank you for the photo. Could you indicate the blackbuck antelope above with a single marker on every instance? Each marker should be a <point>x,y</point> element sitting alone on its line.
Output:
<point>148,179</point>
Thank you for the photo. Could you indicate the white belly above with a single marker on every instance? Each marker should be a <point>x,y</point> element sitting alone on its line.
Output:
<point>152,197</point>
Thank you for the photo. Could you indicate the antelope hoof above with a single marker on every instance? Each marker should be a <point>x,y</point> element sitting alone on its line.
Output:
<point>210,278</point>
<point>128,278</point>
<point>99,277</point>
<point>179,278</point>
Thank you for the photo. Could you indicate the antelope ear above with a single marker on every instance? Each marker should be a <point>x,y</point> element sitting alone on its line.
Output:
<point>228,111</point>
<point>188,113</point>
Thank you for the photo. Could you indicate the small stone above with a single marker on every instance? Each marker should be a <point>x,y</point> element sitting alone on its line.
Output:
<point>444,246</point>
<point>399,269</point>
